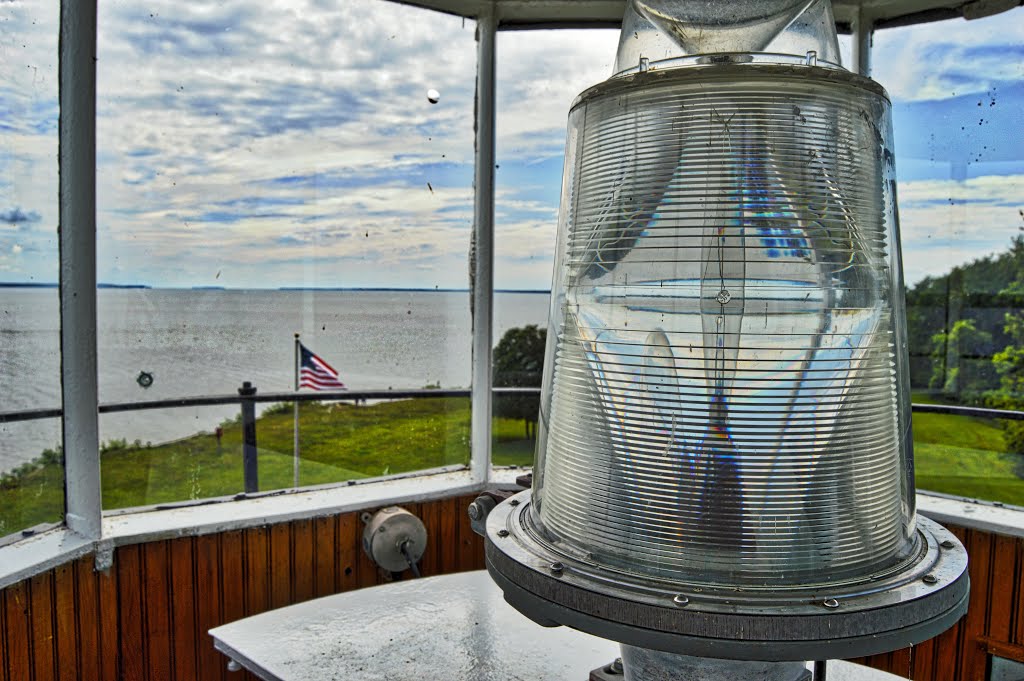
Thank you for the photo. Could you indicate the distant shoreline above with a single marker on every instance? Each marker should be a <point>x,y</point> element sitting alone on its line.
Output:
<point>32,284</point>
<point>355,289</point>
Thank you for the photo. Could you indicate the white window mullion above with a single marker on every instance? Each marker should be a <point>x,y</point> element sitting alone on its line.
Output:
<point>77,167</point>
<point>483,236</point>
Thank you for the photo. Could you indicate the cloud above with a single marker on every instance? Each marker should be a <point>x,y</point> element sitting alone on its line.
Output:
<point>947,222</point>
<point>949,58</point>
<point>17,216</point>
<point>290,141</point>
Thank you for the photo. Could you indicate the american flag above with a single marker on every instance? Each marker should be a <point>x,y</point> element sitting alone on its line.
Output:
<point>316,373</point>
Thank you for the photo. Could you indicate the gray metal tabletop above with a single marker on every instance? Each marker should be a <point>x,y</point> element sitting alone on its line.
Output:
<point>454,627</point>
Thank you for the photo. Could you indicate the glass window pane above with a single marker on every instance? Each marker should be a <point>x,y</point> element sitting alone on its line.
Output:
<point>31,467</point>
<point>958,89</point>
<point>266,171</point>
<point>539,74</point>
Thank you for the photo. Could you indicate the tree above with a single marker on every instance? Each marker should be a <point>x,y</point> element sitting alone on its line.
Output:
<point>519,363</point>
<point>1010,364</point>
<point>949,351</point>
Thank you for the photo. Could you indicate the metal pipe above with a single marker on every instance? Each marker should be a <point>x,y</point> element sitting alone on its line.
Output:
<point>77,243</point>
<point>642,664</point>
<point>863,27</point>
<point>346,396</point>
<point>483,238</point>
<point>250,461</point>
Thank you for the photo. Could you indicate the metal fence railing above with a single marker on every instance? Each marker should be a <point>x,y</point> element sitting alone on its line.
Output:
<point>248,396</point>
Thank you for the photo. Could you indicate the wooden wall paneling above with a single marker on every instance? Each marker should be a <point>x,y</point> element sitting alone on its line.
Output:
<point>881,661</point>
<point>899,663</point>
<point>347,555</point>
<point>280,565</point>
<point>257,559</point>
<point>947,653</point>
<point>41,609</point>
<point>325,551</point>
<point>65,611</point>
<point>366,570</point>
<point>972,657</point>
<point>416,510</point>
<point>86,609</point>
<point>430,514</point>
<point>183,607</point>
<point>1004,589</point>
<point>303,561</point>
<point>449,536</point>
<point>1017,623</point>
<point>147,617</point>
<point>156,611</point>
<point>232,584</point>
<point>132,647</point>
<point>211,664</point>
<point>18,630</point>
<point>109,614</point>
<point>947,644</point>
<point>3,638</point>
<point>471,545</point>
<point>922,661</point>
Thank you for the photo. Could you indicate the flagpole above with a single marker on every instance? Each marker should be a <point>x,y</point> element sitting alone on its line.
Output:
<point>295,449</point>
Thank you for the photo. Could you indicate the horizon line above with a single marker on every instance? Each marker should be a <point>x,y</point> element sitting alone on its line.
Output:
<point>198,287</point>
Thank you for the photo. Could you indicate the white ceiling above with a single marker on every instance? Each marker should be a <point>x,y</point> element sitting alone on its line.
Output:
<point>554,13</point>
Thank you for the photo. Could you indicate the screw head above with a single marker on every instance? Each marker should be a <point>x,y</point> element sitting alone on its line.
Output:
<point>502,533</point>
<point>556,569</point>
<point>830,603</point>
<point>513,502</point>
<point>723,297</point>
<point>680,600</point>
<point>930,579</point>
<point>947,544</point>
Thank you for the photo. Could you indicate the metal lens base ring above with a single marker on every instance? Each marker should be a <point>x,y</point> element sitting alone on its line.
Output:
<point>553,589</point>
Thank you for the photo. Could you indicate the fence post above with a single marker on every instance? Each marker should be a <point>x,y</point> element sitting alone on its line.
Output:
<point>249,463</point>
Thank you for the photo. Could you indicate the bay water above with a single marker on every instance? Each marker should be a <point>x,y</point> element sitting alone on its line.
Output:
<point>207,342</point>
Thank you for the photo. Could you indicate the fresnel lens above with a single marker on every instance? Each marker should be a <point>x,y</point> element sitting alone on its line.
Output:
<point>725,465</point>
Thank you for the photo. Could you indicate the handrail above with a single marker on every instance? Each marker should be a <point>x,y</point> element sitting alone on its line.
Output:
<point>353,395</point>
<point>216,400</point>
<point>983,412</point>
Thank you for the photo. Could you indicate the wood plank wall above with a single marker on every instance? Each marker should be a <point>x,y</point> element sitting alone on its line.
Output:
<point>146,618</point>
<point>994,623</point>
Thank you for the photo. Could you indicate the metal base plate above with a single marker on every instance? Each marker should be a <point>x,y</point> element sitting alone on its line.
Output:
<point>552,589</point>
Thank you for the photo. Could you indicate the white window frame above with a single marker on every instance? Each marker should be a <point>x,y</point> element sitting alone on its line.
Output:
<point>87,529</point>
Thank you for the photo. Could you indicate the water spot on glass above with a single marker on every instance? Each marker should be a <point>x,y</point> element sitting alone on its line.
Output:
<point>433,96</point>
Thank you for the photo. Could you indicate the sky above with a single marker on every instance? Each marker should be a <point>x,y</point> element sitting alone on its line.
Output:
<point>276,143</point>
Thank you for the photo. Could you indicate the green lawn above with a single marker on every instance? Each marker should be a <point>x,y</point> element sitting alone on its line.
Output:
<point>967,457</point>
<point>954,454</point>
